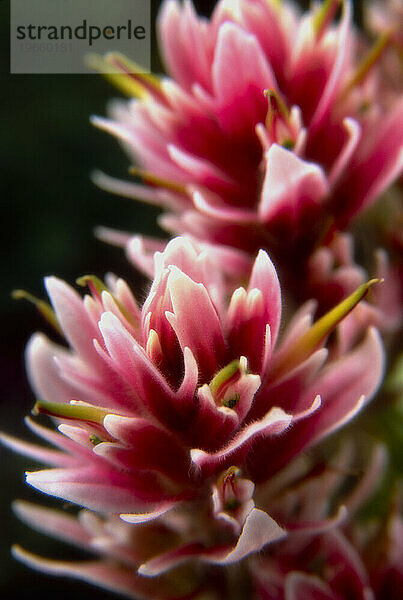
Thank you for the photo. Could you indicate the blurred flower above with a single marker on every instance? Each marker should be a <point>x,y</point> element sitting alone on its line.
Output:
<point>173,416</point>
<point>270,133</point>
<point>387,18</point>
<point>357,561</point>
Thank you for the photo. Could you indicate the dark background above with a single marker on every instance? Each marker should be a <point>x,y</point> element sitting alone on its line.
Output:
<point>49,209</point>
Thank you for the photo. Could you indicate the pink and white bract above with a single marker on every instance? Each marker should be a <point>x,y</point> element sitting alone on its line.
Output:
<point>171,417</point>
<point>357,561</point>
<point>269,133</point>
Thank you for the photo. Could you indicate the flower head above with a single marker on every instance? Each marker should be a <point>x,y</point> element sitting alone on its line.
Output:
<point>176,413</point>
<point>269,132</point>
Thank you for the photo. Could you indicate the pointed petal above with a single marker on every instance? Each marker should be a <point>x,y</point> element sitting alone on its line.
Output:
<point>213,424</point>
<point>300,586</point>
<point>335,77</point>
<point>148,447</point>
<point>240,75</point>
<point>103,574</point>
<point>163,562</point>
<point>345,386</point>
<point>291,186</point>
<point>353,130</point>
<point>146,194</point>
<point>189,383</point>
<point>38,453</point>
<point>258,531</point>
<point>98,488</point>
<point>132,363</point>
<point>78,328</point>
<point>56,523</point>
<point>275,422</point>
<point>264,278</point>
<point>319,526</point>
<point>138,518</point>
<point>195,322</point>
<point>377,163</point>
<point>43,372</point>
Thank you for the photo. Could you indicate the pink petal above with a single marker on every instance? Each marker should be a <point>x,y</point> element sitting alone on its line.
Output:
<point>246,388</point>
<point>358,373</point>
<point>60,441</point>
<point>101,388</point>
<point>353,130</point>
<point>264,278</point>
<point>189,383</point>
<point>210,205</point>
<point>273,29</point>
<point>347,573</point>
<point>132,363</point>
<point>290,387</point>
<point>98,488</point>
<point>174,36</point>
<point>56,523</point>
<point>377,164</point>
<point>102,574</point>
<point>199,169</point>
<point>336,76</point>
<point>274,423</point>
<point>138,518</point>
<point>43,372</point>
<point>320,525</point>
<point>291,187</point>
<point>149,195</point>
<point>140,251</point>
<point>74,319</point>
<point>195,322</point>
<point>240,75</point>
<point>112,236</point>
<point>300,586</point>
<point>163,562</point>
<point>344,386</point>
<point>258,531</point>
<point>148,447</point>
<point>38,453</point>
<point>247,327</point>
<point>213,424</point>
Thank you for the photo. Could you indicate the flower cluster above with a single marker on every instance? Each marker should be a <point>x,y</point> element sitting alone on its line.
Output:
<point>272,126</point>
<point>192,429</point>
<point>175,412</point>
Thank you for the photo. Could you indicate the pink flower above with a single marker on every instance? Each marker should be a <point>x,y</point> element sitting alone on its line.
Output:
<point>174,415</point>
<point>361,562</point>
<point>269,133</point>
<point>386,18</point>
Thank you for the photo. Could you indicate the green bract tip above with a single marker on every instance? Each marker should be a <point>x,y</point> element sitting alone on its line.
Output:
<point>74,410</point>
<point>224,375</point>
<point>43,307</point>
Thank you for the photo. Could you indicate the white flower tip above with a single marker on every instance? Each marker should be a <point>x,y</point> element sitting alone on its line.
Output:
<point>19,553</point>
<point>145,571</point>
<point>317,403</point>
<point>51,282</point>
